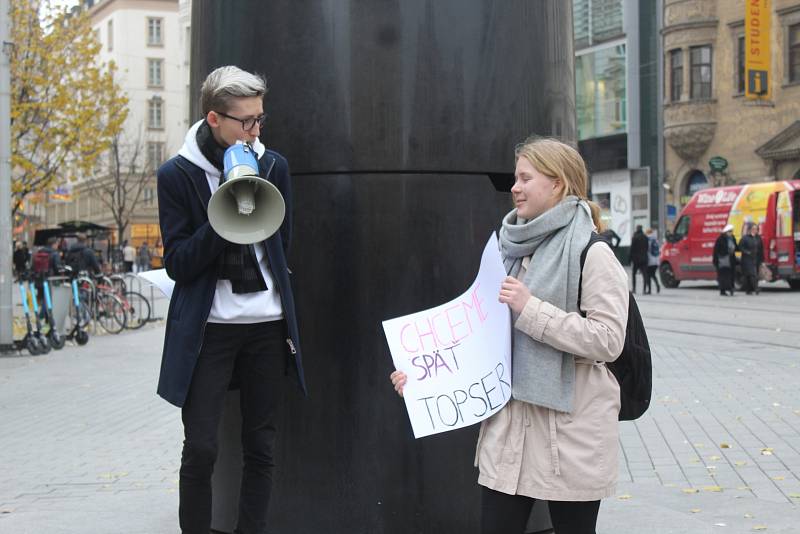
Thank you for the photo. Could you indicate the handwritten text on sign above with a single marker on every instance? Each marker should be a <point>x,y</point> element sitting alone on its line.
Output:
<point>458,355</point>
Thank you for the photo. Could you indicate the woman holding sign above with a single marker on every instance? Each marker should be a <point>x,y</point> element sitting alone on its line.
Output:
<point>557,440</point>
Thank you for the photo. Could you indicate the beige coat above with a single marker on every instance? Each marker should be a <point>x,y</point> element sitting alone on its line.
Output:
<point>535,451</point>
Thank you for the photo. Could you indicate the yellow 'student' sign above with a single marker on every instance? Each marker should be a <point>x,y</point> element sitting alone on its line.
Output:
<point>757,25</point>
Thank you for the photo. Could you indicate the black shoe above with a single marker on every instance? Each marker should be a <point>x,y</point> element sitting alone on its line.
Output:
<point>723,294</point>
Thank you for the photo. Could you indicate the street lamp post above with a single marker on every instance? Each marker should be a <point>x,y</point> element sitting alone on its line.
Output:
<point>6,310</point>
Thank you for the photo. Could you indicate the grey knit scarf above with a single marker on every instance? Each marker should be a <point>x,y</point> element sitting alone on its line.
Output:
<point>541,374</point>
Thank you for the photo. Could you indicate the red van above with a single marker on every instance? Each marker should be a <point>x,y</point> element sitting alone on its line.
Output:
<point>774,206</point>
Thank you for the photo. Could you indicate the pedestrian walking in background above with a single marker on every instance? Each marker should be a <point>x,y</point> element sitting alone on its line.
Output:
<point>46,263</point>
<point>82,258</point>
<point>639,256</point>
<point>128,256</point>
<point>47,260</point>
<point>724,260</point>
<point>143,258</point>
<point>545,443</point>
<point>653,254</point>
<point>20,260</point>
<point>752,249</point>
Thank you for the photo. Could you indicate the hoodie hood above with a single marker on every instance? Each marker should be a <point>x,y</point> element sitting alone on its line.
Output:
<point>191,151</point>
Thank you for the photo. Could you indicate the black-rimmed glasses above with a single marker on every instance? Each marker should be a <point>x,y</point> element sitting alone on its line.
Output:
<point>247,124</point>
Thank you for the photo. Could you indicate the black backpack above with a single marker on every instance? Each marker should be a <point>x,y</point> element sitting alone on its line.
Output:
<point>633,369</point>
<point>75,259</point>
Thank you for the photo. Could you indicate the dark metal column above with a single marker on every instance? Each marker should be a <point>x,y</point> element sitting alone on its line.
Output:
<point>388,112</point>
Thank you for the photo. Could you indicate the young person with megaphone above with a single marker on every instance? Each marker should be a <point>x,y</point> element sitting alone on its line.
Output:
<point>224,207</point>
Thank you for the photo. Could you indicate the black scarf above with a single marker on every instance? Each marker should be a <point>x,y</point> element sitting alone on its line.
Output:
<point>237,263</point>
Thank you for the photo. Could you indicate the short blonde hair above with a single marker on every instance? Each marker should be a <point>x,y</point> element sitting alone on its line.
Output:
<point>226,83</point>
<point>560,162</point>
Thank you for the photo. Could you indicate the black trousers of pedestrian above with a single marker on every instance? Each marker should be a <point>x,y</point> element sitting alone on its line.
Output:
<point>725,279</point>
<point>640,268</point>
<point>508,514</point>
<point>652,276</point>
<point>254,356</point>
<point>750,281</point>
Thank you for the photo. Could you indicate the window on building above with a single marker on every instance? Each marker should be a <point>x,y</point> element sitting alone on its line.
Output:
<point>155,113</point>
<point>600,91</point>
<point>794,53</point>
<point>596,21</point>
<point>640,177</point>
<point>696,182</point>
<point>676,74</point>
<point>155,155</point>
<point>110,35</point>
<point>155,72</point>
<point>148,196</point>
<point>155,35</point>
<point>700,74</point>
<point>740,55</point>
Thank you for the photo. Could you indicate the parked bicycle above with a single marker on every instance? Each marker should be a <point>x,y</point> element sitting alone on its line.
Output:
<point>136,305</point>
<point>105,306</point>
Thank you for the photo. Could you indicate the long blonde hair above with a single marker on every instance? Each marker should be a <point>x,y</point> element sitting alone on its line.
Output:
<point>559,161</point>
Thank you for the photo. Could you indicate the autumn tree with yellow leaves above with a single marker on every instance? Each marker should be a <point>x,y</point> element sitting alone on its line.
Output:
<point>65,105</point>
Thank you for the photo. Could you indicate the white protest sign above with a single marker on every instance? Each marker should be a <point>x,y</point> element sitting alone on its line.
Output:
<point>457,355</point>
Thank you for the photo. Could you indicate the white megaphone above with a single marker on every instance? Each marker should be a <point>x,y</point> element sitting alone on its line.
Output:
<point>246,208</point>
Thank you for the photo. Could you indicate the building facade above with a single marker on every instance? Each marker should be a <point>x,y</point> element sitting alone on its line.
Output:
<point>714,135</point>
<point>616,77</point>
<point>146,41</point>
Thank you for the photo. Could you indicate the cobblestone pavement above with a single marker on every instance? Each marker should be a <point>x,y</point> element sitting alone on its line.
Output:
<point>87,447</point>
<point>719,449</point>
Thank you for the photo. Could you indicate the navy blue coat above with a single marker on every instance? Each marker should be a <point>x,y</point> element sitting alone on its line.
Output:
<point>191,252</point>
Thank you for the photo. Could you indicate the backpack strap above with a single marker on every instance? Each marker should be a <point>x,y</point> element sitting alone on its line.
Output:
<point>592,240</point>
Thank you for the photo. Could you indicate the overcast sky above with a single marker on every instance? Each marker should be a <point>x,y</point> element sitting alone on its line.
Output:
<point>59,5</point>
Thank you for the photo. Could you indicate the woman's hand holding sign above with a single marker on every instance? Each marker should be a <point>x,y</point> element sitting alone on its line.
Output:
<point>398,379</point>
<point>514,293</point>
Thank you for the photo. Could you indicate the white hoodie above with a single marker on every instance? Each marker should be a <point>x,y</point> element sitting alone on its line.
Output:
<point>230,307</point>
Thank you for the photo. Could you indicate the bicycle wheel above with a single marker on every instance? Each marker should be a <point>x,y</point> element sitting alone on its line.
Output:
<point>137,308</point>
<point>84,314</point>
<point>110,313</point>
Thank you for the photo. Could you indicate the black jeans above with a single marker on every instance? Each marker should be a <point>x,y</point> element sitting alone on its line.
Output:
<point>725,279</point>
<point>508,514</point>
<point>641,268</point>
<point>254,356</point>
<point>750,282</point>
<point>652,276</point>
